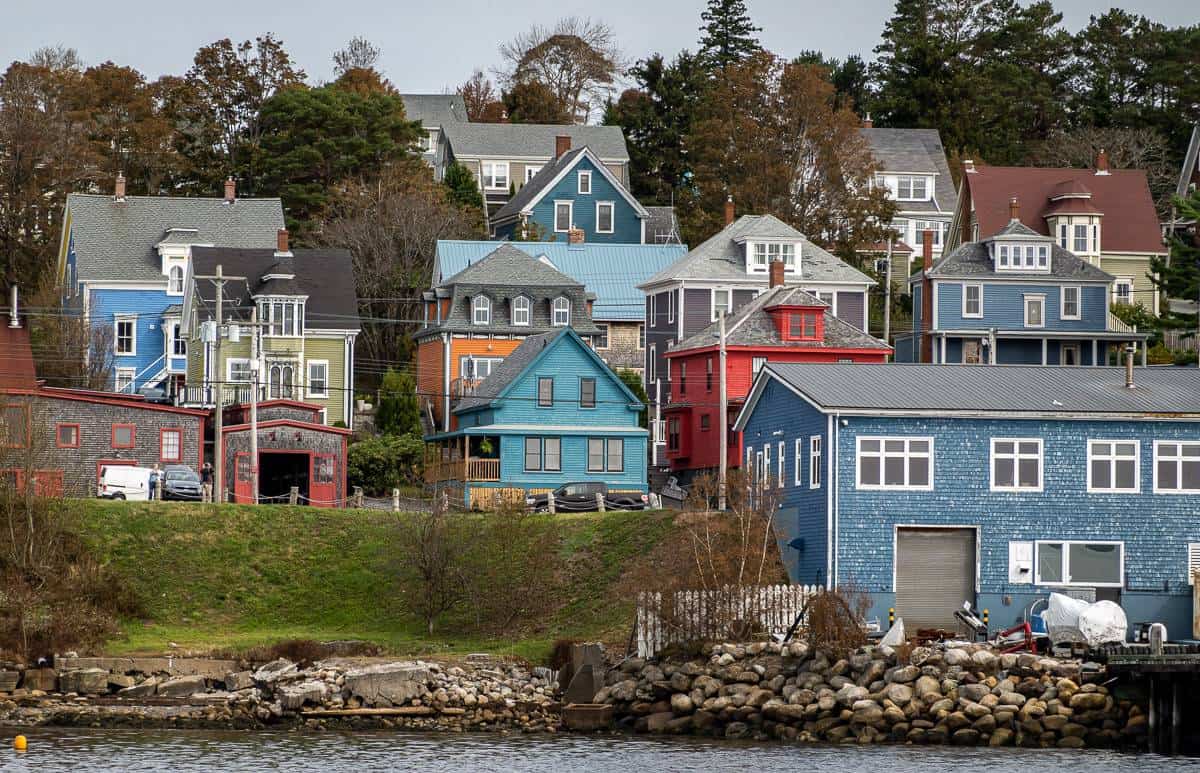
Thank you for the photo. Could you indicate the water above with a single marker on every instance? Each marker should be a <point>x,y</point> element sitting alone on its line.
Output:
<point>179,751</point>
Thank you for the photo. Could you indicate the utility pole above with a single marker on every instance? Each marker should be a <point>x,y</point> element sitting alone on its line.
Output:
<point>887,295</point>
<point>657,420</point>
<point>724,467</point>
<point>218,441</point>
<point>254,403</point>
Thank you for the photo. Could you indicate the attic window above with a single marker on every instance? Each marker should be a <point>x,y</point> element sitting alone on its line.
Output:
<point>1022,257</point>
<point>802,326</point>
<point>561,312</point>
<point>766,253</point>
<point>481,310</point>
<point>520,311</point>
<point>912,189</point>
<point>585,182</point>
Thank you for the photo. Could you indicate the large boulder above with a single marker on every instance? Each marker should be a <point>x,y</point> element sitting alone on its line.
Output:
<point>180,686</point>
<point>272,672</point>
<point>84,681</point>
<point>899,694</point>
<point>293,696</point>
<point>388,684</point>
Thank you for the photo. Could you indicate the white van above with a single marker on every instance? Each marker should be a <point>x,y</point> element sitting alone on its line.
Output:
<point>123,482</point>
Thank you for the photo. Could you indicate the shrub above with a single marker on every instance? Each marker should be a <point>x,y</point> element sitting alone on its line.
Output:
<point>835,621</point>
<point>1160,355</point>
<point>380,464</point>
<point>399,412</point>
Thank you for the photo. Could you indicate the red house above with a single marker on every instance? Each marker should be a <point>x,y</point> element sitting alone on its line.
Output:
<point>784,324</point>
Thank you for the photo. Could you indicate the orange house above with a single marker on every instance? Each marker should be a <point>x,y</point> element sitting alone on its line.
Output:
<point>476,318</point>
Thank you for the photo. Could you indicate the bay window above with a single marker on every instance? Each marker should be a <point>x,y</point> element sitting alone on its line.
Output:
<point>282,317</point>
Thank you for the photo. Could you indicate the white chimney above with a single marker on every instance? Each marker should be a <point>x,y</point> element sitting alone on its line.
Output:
<point>14,320</point>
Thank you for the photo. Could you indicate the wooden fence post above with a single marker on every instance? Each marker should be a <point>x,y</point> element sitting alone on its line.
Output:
<point>395,500</point>
<point>294,495</point>
<point>358,497</point>
<point>599,501</point>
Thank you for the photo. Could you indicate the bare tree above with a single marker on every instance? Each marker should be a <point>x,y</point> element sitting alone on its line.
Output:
<point>69,349</point>
<point>432,549</point>
<point>359,54</point>
<point>1143,149</point>
<point>577,59</point>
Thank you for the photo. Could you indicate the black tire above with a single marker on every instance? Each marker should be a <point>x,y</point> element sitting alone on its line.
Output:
<point>118,497</point>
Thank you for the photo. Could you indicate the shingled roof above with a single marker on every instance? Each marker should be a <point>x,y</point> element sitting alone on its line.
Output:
<point>435,109</point>
<point>532,140</point>
<point>117,240</point>
<point>974,261</point>
<point>919,151</point>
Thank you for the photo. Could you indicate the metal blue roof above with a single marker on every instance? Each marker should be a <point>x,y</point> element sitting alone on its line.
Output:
<point>611,271</point>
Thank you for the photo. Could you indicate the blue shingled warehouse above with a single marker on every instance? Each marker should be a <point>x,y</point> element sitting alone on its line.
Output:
<point>927,487</point>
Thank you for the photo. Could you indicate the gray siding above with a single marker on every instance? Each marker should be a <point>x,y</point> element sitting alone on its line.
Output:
<point>852,308</point>
<point>697,310</point>
<point>741,298</point>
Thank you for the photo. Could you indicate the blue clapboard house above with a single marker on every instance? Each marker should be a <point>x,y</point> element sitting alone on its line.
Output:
<point>1014,298</point>
<point>551,413</point>
<point>926,487</point>
<point>123,261</point>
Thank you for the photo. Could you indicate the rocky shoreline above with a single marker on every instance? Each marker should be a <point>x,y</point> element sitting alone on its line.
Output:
<point>953,694</point>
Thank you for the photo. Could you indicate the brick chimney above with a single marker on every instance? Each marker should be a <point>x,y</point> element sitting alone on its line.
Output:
<point>1102,162</point>
<point>281,240</point>
<point>1014,210</point>
<point>775,273</point>
<point>230,190</point>
<point>575,236</point>
<point>562,145</point>
<point>926,297</point>
<point>867,122</point>
<point>119,187</point>
<point>969,166</point>
<point>729,212</point>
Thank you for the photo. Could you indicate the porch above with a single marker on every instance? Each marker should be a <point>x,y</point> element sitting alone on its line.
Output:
<point>469,459</point>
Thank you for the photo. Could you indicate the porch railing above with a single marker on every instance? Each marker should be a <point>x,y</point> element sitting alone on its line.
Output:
<point>469,470</point>
<point>464,387</point>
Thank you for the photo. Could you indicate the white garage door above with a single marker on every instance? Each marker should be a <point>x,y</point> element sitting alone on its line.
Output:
<point>935,574</point>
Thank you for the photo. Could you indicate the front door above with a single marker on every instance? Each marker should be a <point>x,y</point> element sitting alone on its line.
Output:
<point>935,574</point>
<point>1068,354</point>
<point>322,491</point>
<point>243,491</point>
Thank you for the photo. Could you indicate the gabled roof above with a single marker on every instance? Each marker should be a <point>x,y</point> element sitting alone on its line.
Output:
<point>117,240</point>
<point>919,151</point>
<point>325,276</point>
<point>525,356</point>
<point>1035,391</point>
<point>434,110</point>
<point>1130,222</point>
<point>532,140</point>
<point>536,189</point>
<point>17,370</point>
<point>506,265</point>
<point>722,256</point>
<point>752,325</point>
<point>1191,163</point>
<point>611,271</point>
<point>973,260</point>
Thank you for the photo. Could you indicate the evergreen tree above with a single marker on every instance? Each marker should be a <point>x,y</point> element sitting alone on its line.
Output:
<point>728,34</point>
<point>633,380</point>
<point>464,191</point>
<point>399,412</point>
<point>1179,275</point>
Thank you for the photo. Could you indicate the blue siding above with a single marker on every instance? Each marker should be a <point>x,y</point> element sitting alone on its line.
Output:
<point>148,305</point>
<point>627,228</point>
<point>1004,307</point>
<point>574,462</point>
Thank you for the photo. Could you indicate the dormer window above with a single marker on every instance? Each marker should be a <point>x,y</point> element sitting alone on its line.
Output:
<point>802,325</point>
<point>520,311</point>
<point>766,253</point>
<point>481,310</point>
<point>281,317</point>
<point>561,312</point>
<point>910,188</point>
<point>1022,257</point>
<point>175,280</point>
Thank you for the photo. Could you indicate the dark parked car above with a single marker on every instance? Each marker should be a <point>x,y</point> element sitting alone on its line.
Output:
<point>180,483</point>
<point>581,498</point>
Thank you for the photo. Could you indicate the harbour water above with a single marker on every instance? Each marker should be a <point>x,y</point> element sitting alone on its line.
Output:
<point>176,751</point>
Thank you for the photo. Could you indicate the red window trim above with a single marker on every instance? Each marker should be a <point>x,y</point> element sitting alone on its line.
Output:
<point>58,443</point>
<point>163,431</point>
<point>28,424</point>
<point>132,435</point>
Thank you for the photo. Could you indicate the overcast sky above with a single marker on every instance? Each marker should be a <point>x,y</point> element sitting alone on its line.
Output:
<point>433,46</point>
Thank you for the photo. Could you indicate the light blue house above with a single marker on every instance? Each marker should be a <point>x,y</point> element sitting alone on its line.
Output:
<point>574,198</point>
<point>927,487</point>
<point>1013,298</point>
<point>551,413</point>
<point>123,259</point>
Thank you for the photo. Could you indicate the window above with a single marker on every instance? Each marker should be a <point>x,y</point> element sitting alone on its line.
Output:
<point>481,310</point>
<point>683,377</point>
<point>641,336</point>
<point>545,391</point>
<point>722,301</point>
<point>912,189</point>
<point>602,339</point>
<point>895,463</point>
<point>972,301</point>
<point>178,342</point>
<point>1123,291</point>
<point>671,306</point>
<point>1063,237</point>
<point>802,326</point>
<point>595,459</point>
<point>1113,466</point>
<point>1176,467</point>
<point>1070,303</point>
<point>766,464</point>
<point>564,216</point>
<point>237,371</point>
<point>318,378</point>
<point>585,182</point>
<point>616,454</point>
<point>651,364</point>
<point>175,281</point>
<point>125,335</point>
<point>429,142</point>
<point>531,172</point>
<point>765,254</point>
<point>474,367</point>
<point>1081,563</point>
<point>66,436</point>
<point>562,312</point>
<point>756,364</point>
<point>1003,256</point>
<point>708,370</point>
<point>123,435</point>
<point>935,226</point>
<point>604,217</point>
<point>520,311</point>
<point>587,393</point>
<point>797,449</point>
<point>1035,311</point>
<point>779,464</point>
<point>1081,239</point>
<point>282,317</point>
<point>1043,256</point>
<point>170,445</point>
<point>814,461</point>
<point>124,378</point>
<point>1016,464</point>
<point>705,422</point>
<point>673,431</point>
<point>543,454</point>
<point>495,175</point>
<point>282,379</point>
<point>14,426</point>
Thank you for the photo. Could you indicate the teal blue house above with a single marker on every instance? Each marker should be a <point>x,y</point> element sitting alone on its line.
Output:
<point>574,198</point>
<point>551,413</point>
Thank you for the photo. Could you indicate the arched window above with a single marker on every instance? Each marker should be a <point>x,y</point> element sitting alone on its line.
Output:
<point>481,310</point>
<point>562,312</point>
<point>520,311</point>
<point>282,380</point>
<point>175,280</point>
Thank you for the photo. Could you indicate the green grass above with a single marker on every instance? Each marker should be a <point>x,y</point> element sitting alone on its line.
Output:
<point>230,577</point>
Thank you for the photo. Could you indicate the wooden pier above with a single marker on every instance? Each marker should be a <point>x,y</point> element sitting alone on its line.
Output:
<point>1172,678</point>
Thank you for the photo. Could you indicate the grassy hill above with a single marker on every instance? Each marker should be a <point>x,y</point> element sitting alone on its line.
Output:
<point>229,577</point>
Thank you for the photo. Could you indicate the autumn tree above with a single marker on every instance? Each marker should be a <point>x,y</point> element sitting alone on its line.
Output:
<point>533,102</point>
<point>481,100</point>
<point>576,59</point>
<point>728,34</point>
<point>69,349</point>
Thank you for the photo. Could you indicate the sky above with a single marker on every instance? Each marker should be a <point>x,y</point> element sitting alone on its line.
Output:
<point>433,46</point>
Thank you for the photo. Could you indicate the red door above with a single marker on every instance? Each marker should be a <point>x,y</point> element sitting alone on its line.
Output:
<point>242,490</point>
<point>322,492</point>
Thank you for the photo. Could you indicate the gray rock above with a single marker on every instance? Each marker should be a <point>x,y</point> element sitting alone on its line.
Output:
<point>681,704</point>
<point>84,681</point>
<point>141,690</point>
<point>388,684</point>
<point>927,685</point>
<point>293,696</point>
<point>973,692</point>
<point>956,657</point>
<point>180,686</point>
<point>239,680</point>
<point>905,674</point>
<point>274,671</point>
<point>849,694</point>
<point>899,694</point>
<point>984,660</point>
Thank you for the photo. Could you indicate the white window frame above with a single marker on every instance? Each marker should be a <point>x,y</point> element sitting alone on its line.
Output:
<point>119,320</point>
<point>1066,563</point>
<point>171,287</point>
<point>1016,456</point>
<point>781,464</point>
<point>229,363</point>
<point>642,335</point>
<point>796,472</point>
<point>1112,459</point>
<point>912,180</point>
<point>570,205</point>
<point>1178,466</point>
<point>1116,293</point>
<point>1038,298</point>
<point>522,305</point>
<point>1193,548</point>
<point>489,178</point>
<point>670,306</point>
<point>531,172</point>
<point>607,332</point>
<point>555,310</point>
<point>1062,310</point>
<point>727,306</point>
<point>1064,236</point>
<point>757,363</point>
<point>470,362</point>
<point>883,455</point>
<point>815,455</point>
<point>1075,238</point>
<point>275,325</point>
<point>175,338</point>
<point>771,251</point>
<point>612,217</point>
<point>308,368</point>
<point>965,313</point>
<point>766,465</point>
<point>128,375</point>
<point>481,303</point>
<point>580,188</point>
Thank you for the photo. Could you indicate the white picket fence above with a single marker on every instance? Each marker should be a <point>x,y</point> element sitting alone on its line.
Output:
<point>709,615</point>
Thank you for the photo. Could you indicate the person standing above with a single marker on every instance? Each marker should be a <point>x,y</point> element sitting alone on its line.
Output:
<point>206,483</point>
<point>155,477</point>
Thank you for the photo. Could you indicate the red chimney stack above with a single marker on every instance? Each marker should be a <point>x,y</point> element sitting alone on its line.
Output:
<point>562,145</point>
<point>867,122</point>
<point>281,240</point>
<point>1102,162</point>
<point>119,188</point>
<point>775,273</point>
<point>1014,209</point>
<point>230,190</point>
<point>729,213</point>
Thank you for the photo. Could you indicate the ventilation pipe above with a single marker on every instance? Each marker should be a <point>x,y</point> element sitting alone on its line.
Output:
<point>1129,350</point>
<point>14,319</point>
